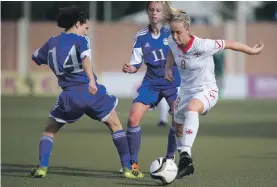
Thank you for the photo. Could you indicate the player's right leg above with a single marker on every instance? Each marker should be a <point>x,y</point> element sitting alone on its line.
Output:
<point>186,117</point>
<point>45,148</point>
<point>183,138</point>
<point>64,111</point>
<point>145,99</point>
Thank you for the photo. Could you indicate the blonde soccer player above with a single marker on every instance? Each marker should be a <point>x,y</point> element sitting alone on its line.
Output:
<point>198,91</point>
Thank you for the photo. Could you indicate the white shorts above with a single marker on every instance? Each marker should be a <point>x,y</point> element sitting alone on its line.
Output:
<point>209,98</point>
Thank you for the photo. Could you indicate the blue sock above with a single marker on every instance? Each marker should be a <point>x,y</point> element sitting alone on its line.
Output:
<point>134,140</point>
<point>171,144</point>
<point>45,148</point>
<point>121,143</point>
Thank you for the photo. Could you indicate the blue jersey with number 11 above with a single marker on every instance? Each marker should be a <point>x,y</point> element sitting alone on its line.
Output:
<point>153,51</point>
<point>64,54</point>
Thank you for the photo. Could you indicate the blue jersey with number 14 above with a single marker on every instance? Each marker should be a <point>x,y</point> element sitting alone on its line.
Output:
<point>64,54</point>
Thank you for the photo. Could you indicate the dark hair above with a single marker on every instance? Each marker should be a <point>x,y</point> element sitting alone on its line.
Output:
<point>69,16</point>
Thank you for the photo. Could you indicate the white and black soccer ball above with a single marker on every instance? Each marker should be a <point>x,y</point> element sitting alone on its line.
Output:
<point>163,171</point>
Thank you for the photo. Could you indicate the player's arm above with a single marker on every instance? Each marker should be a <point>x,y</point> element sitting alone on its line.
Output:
<point>211,47</point>
<point>168,67</point>
<point>136,58</point>
<point>85,55</point>
<point>237,46</point>
<point>87,66</point>
<point>40,55</point>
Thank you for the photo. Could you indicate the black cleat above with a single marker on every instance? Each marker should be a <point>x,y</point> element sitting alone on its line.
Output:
<point>162,124</point>
<point>185,165</point>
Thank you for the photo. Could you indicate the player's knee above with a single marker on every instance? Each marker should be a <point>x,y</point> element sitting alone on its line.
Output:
<point>192,107</point>
<point>195,105</point>
<point>114,127</point>
<point>52,127</point>
<point>133,121</point>
<point>113,122</point>
<point>49,134</point>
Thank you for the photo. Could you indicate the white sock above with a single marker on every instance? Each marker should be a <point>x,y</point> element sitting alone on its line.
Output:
<point>164,108</point>
<point>190,129</point>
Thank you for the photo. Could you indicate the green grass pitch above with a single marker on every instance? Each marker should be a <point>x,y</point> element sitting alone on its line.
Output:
<point>236,147</point>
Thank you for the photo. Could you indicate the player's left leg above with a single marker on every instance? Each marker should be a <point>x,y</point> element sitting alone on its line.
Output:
<point>146,98</point>
<point>104,110</point>
<point>121,143</point>
<point>200,103</point>
<point>62,112</point>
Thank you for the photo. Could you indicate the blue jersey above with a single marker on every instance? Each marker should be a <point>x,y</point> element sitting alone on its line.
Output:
<point>153,51</point>
<point>64,54</point>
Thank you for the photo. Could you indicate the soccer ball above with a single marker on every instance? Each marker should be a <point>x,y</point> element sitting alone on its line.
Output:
<point>163,171</point>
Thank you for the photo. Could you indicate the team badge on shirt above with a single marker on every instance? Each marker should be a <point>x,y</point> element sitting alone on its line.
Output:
<point>165,41</point>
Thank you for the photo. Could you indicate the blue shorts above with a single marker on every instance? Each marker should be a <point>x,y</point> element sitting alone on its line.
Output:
<point>74,102</point>
<point>152,97</point>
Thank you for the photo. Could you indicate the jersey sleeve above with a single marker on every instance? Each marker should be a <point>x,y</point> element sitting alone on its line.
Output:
<point>85,50</point>
<point>136,57</point>
<point>211,47</point>
<point>40,55</point>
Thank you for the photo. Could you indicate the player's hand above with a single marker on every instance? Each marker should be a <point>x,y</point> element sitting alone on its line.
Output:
<point>257,48</point>
<point>127,68</point>
<point>92,87</point>
<point>168,75</point>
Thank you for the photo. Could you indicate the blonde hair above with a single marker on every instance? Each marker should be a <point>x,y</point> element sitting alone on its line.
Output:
<point>165,3</point>
<point>173,14</point>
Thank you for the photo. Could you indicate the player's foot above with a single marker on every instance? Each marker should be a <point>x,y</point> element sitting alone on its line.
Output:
<point>185,165</point>
<point>162,124</point>
<point>134,165</point>
<point>132,174</point>
<point>38,172</point>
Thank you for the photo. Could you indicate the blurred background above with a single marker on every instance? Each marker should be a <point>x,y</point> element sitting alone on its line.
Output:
<point>25,26</point>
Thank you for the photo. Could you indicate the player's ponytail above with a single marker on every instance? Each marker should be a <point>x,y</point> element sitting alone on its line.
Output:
<point>69,16</point>
<point>173,14</point>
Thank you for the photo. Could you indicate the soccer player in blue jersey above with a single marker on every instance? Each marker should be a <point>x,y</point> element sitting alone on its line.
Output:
<point>68,56</point>
<point>151,47</point>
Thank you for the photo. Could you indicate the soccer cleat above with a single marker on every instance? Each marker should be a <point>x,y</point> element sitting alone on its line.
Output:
<point>162,124</point>
<point>134,165</point>
<point>38,172</point>
<point>185,165</point>
<point>132,174</point>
